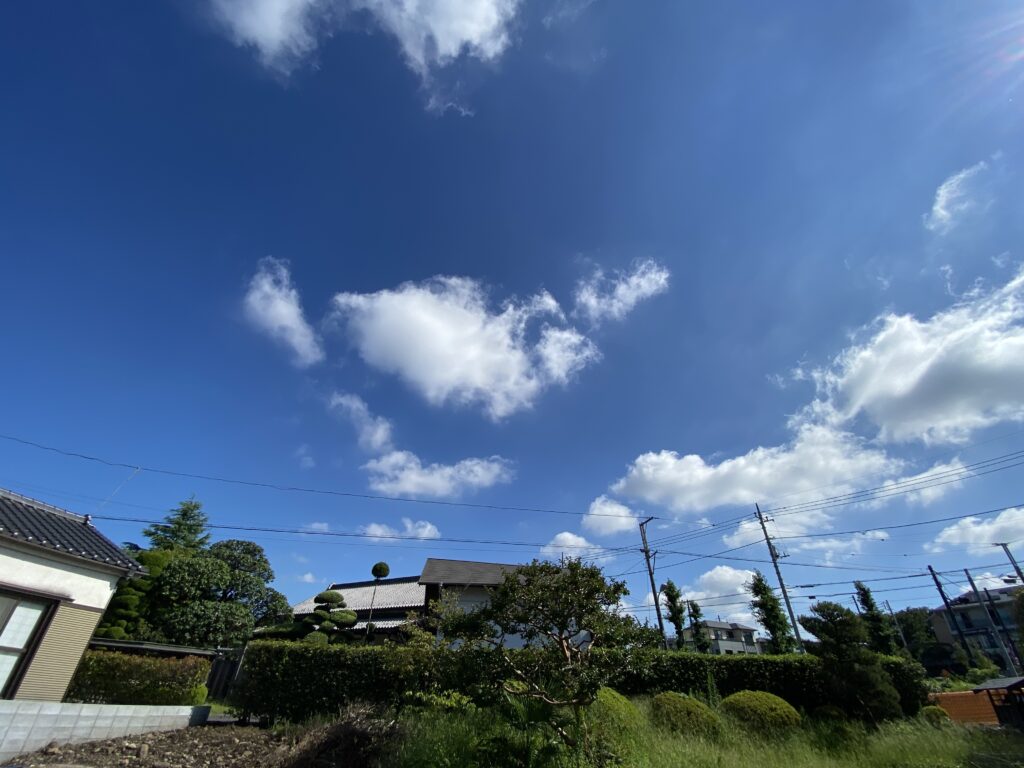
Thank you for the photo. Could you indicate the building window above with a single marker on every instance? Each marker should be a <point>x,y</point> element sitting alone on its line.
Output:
<point>20,618</point>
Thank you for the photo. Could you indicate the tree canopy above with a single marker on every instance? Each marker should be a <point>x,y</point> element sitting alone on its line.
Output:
<point>184,528</point>
<point>881,633</point>
<point>675,607</point>
<point>698,629</point>
<point>767,609</point>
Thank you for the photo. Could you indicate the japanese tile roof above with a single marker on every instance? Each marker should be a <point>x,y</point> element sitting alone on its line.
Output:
<point>464,572</point>
<point>397,593</point>
<point>1001,683</point>
<point>727,625</point>
<point>37,524</point>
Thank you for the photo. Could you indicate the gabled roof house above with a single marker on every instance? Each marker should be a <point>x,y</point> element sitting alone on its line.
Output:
<point>392,600</point>
<point>57,574</point>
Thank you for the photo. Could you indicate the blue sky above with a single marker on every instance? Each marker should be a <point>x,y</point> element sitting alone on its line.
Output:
<point>657,259</point>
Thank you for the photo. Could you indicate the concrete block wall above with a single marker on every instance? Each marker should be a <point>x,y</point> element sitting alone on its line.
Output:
<point>26,726</point>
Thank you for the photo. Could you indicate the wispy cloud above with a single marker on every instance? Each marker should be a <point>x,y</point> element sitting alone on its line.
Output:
<point>304,456</point>
<point>954,198</point>
<point>374,431</point>
<point>416,529</point>
<point>601,297</point>
<point>272,306</point>
<point>319,527</point>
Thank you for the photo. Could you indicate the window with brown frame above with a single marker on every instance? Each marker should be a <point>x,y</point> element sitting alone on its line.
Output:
<point>20,619</point>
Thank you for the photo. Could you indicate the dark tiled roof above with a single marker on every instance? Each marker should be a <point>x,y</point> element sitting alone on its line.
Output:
<point>400,592</point>
<point>463,572</point>
<point>38,524</point>
<point>728,625</point>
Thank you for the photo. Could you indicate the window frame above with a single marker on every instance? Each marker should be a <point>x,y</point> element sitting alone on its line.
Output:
<point>28,652</point>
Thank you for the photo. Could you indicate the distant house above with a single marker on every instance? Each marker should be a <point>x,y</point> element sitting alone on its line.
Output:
<point>974,620</point>
<point>57,574</point>
<point>394,600</point>
<point>727,638</point>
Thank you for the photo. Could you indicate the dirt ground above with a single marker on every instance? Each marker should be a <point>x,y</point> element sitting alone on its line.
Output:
<point>209,746</point>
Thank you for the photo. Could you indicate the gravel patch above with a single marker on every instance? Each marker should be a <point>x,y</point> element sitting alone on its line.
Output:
<point>198,747</point>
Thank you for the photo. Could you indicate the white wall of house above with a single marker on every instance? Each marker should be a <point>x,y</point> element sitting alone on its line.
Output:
<point>84,586</point>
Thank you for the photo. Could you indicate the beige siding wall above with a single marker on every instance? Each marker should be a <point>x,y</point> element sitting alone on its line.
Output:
<point>50,671</point>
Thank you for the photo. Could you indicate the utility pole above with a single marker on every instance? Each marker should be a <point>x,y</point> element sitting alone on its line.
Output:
<point>952,616</point>
<point>991,623</point>
<point>1009,556</point>
<point>778,574</point>
<point>654,589</point>
<point>899,628</point>
<point>1006,632</point>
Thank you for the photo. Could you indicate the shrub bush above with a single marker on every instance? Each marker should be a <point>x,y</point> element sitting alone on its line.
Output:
<point>109,677</point>
<point>934,715</point>
<point>764,712</point>
<point>685,715</point>
<point>613,719</point>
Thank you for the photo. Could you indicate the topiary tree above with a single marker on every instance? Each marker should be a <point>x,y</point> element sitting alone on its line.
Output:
<point>685,715</point>
<point>614,721</point>
<point>330,613</point>
<point>379,571</point>
<point>698,629</point>
<point>852,673</point>
<point>760,711</point>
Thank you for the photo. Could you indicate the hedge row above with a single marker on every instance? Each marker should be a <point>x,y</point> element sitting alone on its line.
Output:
<point>295,681</point>
<point>108,677</point>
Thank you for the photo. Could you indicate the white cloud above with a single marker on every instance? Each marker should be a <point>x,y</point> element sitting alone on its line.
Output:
<point>936,380</point>
<point>818,456</point>
<point>722,592</point>
<point>979,534</point>
<point>308,578</point>
<point>983,581</point>
<point>319,527</point>
<point>304,457</point>
<point>418,529</point>
<point>272,306</point>
<point>936,482</point>
<point>954,198</point>
<point>401,473</point>
<point>431,33</point>
<point>607,517</point>
<point>444,341</point>
<point>569,544</point>
<point>601,298</point>
<point>374,431</point>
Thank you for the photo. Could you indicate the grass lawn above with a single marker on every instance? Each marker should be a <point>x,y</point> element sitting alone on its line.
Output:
<point>480,738</point>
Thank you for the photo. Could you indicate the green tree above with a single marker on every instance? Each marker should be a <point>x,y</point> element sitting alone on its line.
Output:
<point>917,630</point>
<point>128,615</point>
<point>191,590</point>
<point>183,528</point>
<point>698,629</point>
<point>881,633</point>
<point>767,609</point>
<point>563,612</point>
<point>675,606</point>
<point>853,673</point>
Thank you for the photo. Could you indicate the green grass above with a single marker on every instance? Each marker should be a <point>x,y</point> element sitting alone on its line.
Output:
<point>481,738</point>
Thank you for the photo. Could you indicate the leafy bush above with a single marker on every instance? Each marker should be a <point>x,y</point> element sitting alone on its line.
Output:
<point>763,712</point>
<point>908,678</point>
<point>685,715</point>
<point>934,715</point>
<point>316,638</point>
<point>614,720</point>
<point>108,677</point>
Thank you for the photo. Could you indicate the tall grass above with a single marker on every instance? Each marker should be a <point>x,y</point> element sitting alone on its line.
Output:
<point>482,738</point>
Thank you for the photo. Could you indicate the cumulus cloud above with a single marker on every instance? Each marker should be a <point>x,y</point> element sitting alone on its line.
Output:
<point>979,534</point>
<point>401,473</point>
<point>374,431</point>
<point>569,544</point>
<point>600,297</point>
<point>936,380</point>
<point>272,306</point>
<point>416,529</point>
<point>446,343</point>
<point>607,517</point>
<point>722,592</point>
<point>819,455</point>
<point>308,578</point>
<point>430,34</point>
<point>956,197</point>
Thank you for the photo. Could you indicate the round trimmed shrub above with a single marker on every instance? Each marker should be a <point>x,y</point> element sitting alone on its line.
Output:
<point>380,570</point>
<point>761,711</point>
<point>316,638</point>
<point>616,723</point>
<point>329,597</point>
<point>685,715</point>
<point>934,715</point>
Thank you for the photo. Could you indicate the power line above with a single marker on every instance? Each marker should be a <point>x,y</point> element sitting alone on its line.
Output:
<point>296,488</point>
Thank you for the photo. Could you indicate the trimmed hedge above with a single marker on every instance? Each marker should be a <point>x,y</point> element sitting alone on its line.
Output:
<point>761,711</point>
<point>295,681</point>
<point>109,677</point>
<point>685,715</point>
<point>614,719</point>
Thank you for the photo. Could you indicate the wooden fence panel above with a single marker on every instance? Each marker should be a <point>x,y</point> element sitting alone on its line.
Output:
<point>967,707</point>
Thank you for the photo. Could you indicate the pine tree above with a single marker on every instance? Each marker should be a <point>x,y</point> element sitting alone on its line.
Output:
<point>676,608</point>
<point>698,629</point>
<point>768,611</point>
<point>183,528</point>
<point>881,636</point>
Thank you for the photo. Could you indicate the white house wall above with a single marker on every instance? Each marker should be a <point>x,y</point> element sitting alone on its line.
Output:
<point>85,587</point>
